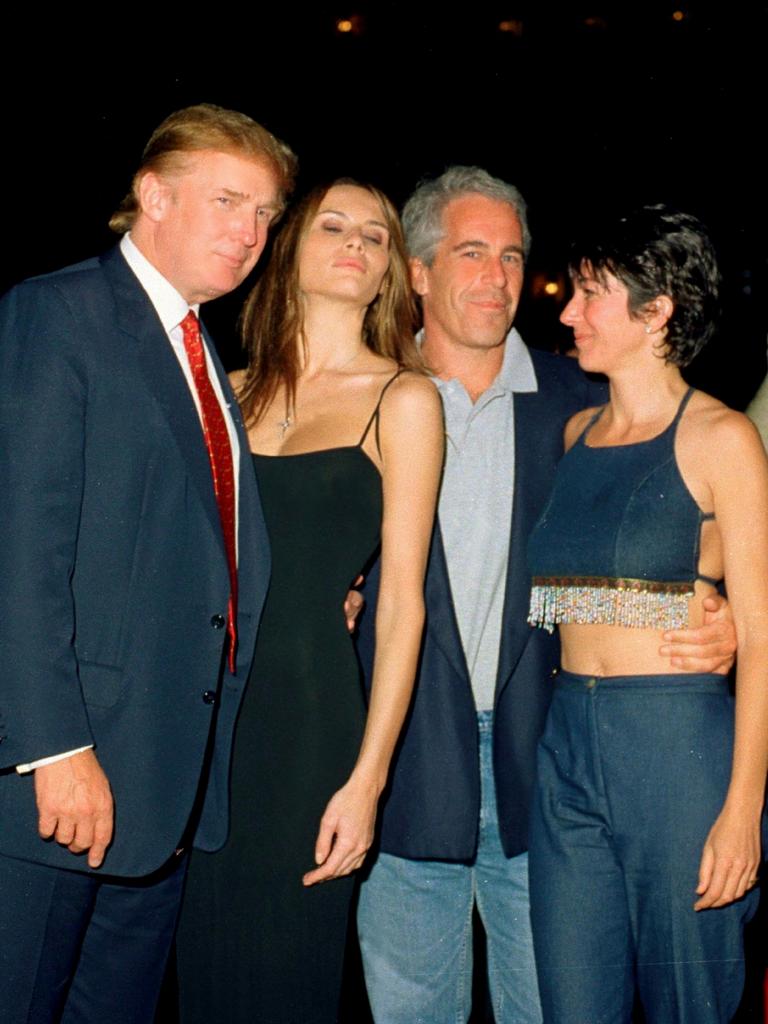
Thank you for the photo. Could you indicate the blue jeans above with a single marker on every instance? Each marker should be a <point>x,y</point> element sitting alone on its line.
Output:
<point>632,773</point>
<point>415,927</point>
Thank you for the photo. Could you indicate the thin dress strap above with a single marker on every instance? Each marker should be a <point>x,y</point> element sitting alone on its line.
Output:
<point>592,421</point>
<point>672,426</point>
<point>375,413</point>
<point>681,408</point>
<point>704,517</point>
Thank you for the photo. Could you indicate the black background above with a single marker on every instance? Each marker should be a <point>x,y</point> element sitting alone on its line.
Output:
<point>580,106</point>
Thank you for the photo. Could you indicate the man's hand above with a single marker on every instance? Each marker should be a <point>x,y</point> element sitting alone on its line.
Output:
<point>353,605</point>
<point>711,648</point>
<point>74,804</point>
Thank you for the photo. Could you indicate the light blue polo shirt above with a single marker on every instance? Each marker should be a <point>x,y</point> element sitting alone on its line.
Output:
<point>475,508</point>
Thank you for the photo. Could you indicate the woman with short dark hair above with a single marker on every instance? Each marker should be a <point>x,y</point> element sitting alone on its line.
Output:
<point>645,840</point>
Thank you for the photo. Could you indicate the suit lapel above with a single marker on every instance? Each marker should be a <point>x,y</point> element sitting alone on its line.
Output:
<point>531,491</point>
<point>164,379</point>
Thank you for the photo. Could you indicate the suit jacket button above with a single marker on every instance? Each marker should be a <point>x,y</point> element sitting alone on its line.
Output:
<point>209,697</point>
<point>218,621</point>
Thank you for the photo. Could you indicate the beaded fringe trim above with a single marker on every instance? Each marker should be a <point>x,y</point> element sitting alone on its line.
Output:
<point>586,600</point>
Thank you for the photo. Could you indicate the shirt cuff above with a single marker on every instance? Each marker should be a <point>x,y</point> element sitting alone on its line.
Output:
<point>24,769</point>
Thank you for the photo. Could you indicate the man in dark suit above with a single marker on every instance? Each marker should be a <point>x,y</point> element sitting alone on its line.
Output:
<point>133,567</point>
<point>454,821</point>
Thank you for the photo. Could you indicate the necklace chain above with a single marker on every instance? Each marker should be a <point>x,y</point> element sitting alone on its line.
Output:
<point>289,419</point>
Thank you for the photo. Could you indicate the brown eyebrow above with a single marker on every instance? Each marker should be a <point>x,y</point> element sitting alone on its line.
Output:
<point>338,213</point>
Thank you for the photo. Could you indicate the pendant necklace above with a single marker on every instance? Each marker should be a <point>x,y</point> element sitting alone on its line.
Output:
<point>284,424</point>
<point>287,421</point>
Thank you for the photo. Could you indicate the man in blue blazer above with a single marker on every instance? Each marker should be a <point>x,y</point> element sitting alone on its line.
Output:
<point>454,820</point>
<point>131,583</point>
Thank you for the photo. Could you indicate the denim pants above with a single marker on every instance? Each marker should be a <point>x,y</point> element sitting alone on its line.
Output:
<point>632,773</point>
<point>415,927</point>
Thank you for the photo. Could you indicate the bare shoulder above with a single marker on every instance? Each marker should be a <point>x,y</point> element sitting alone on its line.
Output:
<point>717,439</point>
<point>412,390</point>
<point>576,424</point>
<point>237,379</point>
<point>412,394</point>
<point>411,417</point>
<point>724,429</point>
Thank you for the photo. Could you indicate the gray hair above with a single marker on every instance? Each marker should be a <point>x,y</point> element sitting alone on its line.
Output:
<point>423,213</point>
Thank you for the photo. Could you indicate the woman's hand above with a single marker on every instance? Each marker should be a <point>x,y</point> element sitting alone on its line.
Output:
<point>730,859</point>
<point>346,832</point>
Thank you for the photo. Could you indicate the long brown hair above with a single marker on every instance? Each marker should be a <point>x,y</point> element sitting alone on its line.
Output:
<point>271,323</point>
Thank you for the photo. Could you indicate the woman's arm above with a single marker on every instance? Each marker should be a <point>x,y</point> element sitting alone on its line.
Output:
<point>412,442</point>
<point>757,410</point>
<point>735,465</point>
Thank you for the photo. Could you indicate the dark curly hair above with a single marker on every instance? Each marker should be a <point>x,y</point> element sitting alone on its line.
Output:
<point>658,250</point>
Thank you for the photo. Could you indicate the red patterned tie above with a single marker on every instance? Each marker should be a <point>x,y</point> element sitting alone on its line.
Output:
<point>220,455</point>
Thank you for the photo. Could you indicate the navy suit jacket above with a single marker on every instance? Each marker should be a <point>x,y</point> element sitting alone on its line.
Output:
<point>113,572</point>
<point>431,807</point>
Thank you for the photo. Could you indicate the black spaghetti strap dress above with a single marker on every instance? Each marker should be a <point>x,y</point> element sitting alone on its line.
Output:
<point>254,945</point>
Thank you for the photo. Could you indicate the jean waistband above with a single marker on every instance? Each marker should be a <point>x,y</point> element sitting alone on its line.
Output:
<point>704,682</point>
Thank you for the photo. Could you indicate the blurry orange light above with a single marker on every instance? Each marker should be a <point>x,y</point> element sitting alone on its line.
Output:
<point>678,16</point>
<point>344,25</point>
<point>551,288</point>
<point>512,25</point>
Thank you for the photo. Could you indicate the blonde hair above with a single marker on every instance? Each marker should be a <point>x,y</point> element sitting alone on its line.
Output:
<point>205,126</point>
<point>271,322</point>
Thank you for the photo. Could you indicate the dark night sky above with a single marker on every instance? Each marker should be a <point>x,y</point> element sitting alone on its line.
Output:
<point>589,105</point>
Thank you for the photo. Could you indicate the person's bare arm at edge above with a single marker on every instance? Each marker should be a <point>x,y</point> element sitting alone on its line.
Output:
<point>711,647</point>
<point>411,461</point>
<point>737,473</point>
<point>74,805</point>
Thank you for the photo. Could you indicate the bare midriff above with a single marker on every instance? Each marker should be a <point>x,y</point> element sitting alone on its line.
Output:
<point>599,649</point>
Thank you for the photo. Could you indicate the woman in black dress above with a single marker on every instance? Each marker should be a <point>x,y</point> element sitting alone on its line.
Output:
<point>347,443</point>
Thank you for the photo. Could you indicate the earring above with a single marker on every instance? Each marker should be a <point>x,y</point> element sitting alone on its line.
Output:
<point>648,329</point>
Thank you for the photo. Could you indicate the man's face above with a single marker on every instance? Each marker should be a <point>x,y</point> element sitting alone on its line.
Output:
<point>471,291</point>
<point>210,221</point>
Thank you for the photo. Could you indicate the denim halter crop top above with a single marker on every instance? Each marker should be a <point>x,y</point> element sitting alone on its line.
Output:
<point>618,542</point>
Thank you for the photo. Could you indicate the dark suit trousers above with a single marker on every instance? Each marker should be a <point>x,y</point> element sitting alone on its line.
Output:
<point>81,948</point>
